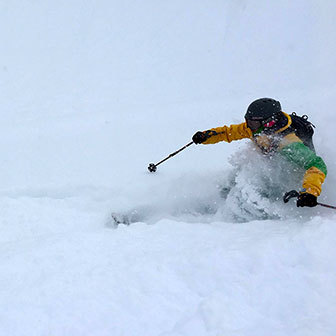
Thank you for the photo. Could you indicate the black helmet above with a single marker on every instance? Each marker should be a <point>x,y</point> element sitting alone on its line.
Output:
<point>264,112</point>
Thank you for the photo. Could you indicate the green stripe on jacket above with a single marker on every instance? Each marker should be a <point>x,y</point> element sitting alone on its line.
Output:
<point>304,157</point>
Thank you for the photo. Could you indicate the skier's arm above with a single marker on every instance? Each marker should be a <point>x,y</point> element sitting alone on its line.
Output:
<point>316,170</point>
<point>228,133</point>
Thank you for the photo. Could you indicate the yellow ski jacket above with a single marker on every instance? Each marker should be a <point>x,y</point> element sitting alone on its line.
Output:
<point>289,145</point>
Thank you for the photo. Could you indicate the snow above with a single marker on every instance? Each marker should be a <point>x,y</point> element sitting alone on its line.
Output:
<point>91,93</point>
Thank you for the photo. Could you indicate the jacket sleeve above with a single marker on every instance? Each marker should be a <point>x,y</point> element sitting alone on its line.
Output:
<point>228,133</point>
<point>316,169</point>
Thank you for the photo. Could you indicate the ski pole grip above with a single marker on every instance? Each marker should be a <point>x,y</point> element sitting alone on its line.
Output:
<point>290,194</point>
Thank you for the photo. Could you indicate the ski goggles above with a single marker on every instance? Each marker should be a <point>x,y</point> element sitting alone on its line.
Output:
<point>259,125</point>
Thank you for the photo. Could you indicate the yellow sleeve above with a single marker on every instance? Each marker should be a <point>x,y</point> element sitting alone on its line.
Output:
<point>313,180</point>
<point>229,133</point>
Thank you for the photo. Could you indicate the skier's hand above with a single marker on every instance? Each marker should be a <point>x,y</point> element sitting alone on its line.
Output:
<point>199,137</point>
<point>306,199</point>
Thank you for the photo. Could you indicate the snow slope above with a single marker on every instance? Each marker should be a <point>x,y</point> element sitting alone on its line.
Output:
<point>90,93</point>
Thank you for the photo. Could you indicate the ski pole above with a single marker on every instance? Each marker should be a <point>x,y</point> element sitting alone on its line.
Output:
<point>153,166</point>
<point>327,205</point>
<point>294,193</point>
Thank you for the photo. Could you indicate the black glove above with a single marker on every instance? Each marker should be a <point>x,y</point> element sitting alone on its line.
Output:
<point>200,137</point>
<point>305,199</point>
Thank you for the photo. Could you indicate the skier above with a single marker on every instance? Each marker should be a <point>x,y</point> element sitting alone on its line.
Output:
<point>274,131</point>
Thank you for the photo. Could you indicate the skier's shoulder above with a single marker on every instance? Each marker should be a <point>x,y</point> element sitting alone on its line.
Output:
<point>289,139</point>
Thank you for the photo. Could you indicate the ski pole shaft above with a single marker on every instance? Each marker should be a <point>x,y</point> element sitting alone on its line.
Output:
<point>152,166</point>
<point>173,154</point>
<point>327,206</point>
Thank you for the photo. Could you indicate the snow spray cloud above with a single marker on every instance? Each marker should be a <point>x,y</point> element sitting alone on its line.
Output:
<point>254,188</point>
<point>251,190</point>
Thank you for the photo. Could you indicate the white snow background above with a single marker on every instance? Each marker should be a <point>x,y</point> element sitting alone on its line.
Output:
<point>91,92</point>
